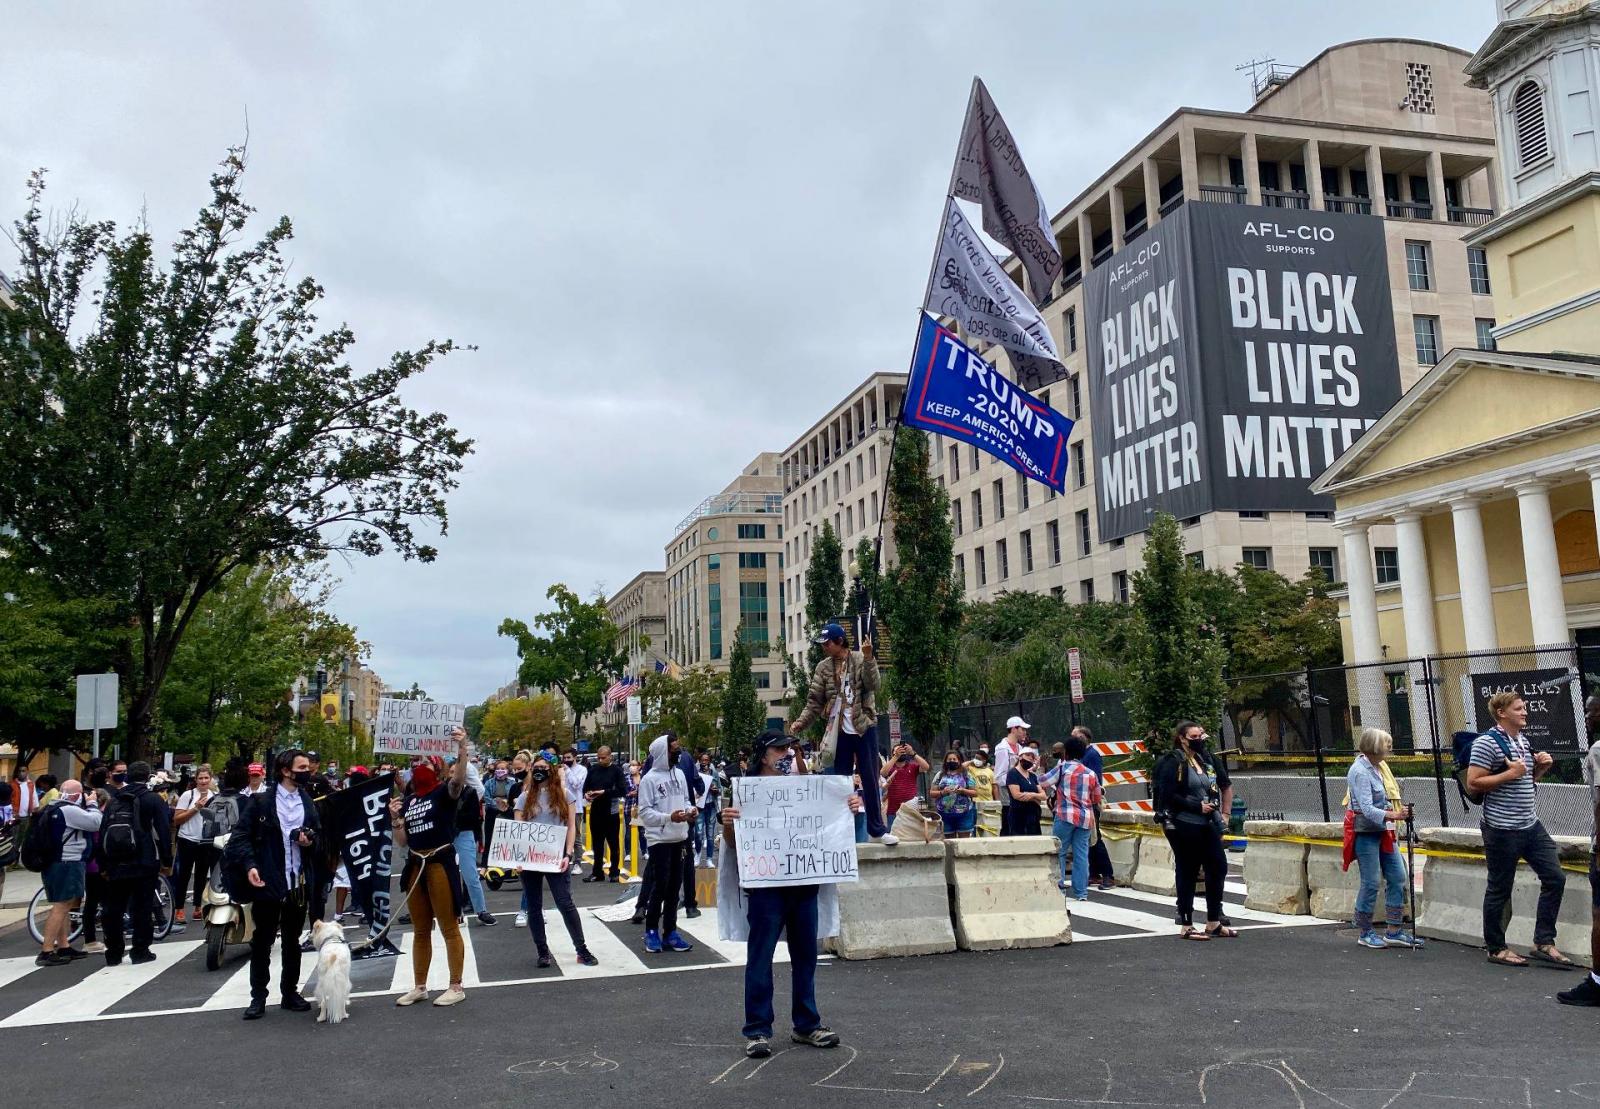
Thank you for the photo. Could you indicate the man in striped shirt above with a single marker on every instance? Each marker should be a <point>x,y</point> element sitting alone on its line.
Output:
<point>1503,770</point>
<point>1076,792</point>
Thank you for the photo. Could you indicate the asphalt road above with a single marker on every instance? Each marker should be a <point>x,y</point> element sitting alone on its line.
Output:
<point>1281,1017</point>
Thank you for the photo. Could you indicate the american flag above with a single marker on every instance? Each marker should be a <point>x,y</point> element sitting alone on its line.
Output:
<point>620,691</point>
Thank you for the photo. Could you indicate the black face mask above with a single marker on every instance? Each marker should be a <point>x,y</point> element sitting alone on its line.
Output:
<point>952,765</point>
<point>540,775</point>
<point>120,779</point>
<point>1197,746</point>
<point>1026,764</point>
<point>302,777</point>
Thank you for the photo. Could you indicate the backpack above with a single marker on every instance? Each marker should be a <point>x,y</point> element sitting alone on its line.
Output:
<point>1461,757</point>
<point>42,847</point>
<point>122,833</point>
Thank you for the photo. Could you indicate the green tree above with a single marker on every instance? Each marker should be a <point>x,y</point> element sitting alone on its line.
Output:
<point>824,590</point>
<point>1177,662</point>
<point>743,715</point>
<point>689,705</point>
<point>578,654</point>
<point>920,595</point>
<point>473,721</point>
<point>415,693</point>
<point>524,722</point>
<point>202,419</point>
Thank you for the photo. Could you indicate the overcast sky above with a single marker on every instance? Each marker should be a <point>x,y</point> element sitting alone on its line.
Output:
<point>677,233</point>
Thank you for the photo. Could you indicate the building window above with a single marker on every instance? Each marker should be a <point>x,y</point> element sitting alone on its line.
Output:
<point>752,560</point>
<point>1419,268</point>
<point>1319,514</point>
<point>1053,535</point>
<point>1002,559</point>
<point>955,514</point>
<point>1057,592</point>
<point>714,606</point>
<point>1485,334</point>
<point>1252,514</point>
<point>1070,326</point>
<point>849,518</point>
<point>1027,552</point>
<point>714,562</point>
<point>711,534</point>
<point>1083,533</point>
<point>1325,560</point>
<point>974,458</point>
<point>763,679</point>
<point>999,500</point>
<point>1419,88</point>
<point>1426,331</point>
<point>752,531</point>
<point>1259,557</point>
<point>1022,493</point>
<point>874,506</point>
<point>1086,590</point>
<point>961,570</point>
<point>1191,521</point>
<point>1118,543</point>
<point>1196,560</point>
<point>1119,586</point>
<point>1080,476</point>
<point>1386,563</point>
<point>872,461</point>
<point>1075,410</point>
<point>1478,270</point>
<point>1527,120</point>
<point>981,566</point>
<point>977,510</point>
<point>753,625</point>
<point>955,463</point>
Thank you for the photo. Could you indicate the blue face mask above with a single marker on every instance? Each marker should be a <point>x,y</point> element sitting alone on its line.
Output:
<point>786,764</point>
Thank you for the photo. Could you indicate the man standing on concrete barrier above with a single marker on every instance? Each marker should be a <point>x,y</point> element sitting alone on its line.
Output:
<point>1587,992</point>
<point>843,691</point>
<point>1502,771</point>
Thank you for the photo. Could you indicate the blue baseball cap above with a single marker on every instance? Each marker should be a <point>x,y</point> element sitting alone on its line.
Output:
<point>832,633</point>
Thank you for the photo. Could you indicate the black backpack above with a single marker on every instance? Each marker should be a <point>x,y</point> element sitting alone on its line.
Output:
<point>42,847</point>
<point>1461,757</point>
<point>122,833</point>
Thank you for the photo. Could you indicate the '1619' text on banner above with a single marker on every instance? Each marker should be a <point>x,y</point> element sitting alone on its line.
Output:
<point>416,727</point>
<point>794,830</point>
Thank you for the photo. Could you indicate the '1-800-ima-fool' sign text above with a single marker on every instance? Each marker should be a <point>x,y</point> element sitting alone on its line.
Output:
<point>794,830</point>
<point>416,727</point>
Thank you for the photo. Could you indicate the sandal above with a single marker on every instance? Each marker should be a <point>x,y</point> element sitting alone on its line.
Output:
<point>1222,932</point>
<point>1551,957</point>
<point>1507,958</point>
<point>1190,932</point>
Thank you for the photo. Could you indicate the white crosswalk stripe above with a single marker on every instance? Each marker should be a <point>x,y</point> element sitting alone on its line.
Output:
<point>102,989</point>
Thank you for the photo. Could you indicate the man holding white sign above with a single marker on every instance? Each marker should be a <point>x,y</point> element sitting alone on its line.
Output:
<point>791,836</point>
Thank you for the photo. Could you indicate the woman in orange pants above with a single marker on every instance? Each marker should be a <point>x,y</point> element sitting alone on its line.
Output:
<point>425,823</point>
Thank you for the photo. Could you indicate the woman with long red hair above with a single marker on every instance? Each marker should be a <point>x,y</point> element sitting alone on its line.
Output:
<point>544,801</point>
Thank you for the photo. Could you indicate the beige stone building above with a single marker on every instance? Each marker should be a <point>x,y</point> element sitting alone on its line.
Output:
<point>639,610</point>
<point>1380,127</point>
<point>835,473</point>
<point>724,577</point>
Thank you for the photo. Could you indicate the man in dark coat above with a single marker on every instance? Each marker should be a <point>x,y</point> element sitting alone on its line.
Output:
<point>131,883</point>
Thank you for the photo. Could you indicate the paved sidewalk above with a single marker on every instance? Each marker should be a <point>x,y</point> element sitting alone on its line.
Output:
<point>19,889</point>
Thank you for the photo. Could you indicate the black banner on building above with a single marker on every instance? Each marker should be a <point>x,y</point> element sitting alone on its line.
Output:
<point>361,821</point>
<point>1235,353</point>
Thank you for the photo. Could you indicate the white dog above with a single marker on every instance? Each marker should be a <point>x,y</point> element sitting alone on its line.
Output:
<point>333,971</point>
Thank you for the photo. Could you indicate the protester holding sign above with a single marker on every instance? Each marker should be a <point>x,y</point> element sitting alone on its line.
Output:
<point>758,914</point>
<point>545,804</point>
<point>425,824</point>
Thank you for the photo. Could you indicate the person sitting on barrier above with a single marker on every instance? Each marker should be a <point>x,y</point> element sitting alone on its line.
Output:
<point>1189,808</point>
<point>1587,992</point>
<point>1503,770</point>
<point>954,794</point>
<point>1373,810</point>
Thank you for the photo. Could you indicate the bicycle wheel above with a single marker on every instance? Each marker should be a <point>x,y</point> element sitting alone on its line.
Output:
<point>163,910</point>
<point>38,911</point>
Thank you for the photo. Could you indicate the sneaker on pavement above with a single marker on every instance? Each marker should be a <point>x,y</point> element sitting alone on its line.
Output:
<point>817,1037</point>
<point>1586,992</point>
<point>757,1047</point>
<point>676,942</point>
<point>142,957</point>
<point>50,959</point>
<point>652,941</point>
<point>486,918</point>
<point>96,948</point>
<point>412,996</point>
<point>178,916</point>
<point>455,995</point>
<point>691,913</point>
<point>1401,938</point>
<point>1372,940</point>
<point>522,920</point>
<point>888,839</point>
<point>586,957</point>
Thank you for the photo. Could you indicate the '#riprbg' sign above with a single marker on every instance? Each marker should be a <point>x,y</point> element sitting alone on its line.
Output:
<point>794,830</point>
<point>416,727</point>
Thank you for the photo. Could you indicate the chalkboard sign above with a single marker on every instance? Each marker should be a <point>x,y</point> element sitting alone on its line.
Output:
<point>1551,695</point>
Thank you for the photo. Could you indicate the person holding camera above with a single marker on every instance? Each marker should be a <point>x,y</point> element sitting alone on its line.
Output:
<point>1189,808</point>
<point>425,824</point>
<point>900,778</point>
<point>1373,809</point>
<point>276,848</point>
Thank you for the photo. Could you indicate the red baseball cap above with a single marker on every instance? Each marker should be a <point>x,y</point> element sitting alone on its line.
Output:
<point>256,768</point>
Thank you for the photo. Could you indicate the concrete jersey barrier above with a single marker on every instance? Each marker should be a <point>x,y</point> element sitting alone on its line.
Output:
<point>900,906</point>
<point>1003,893</point>
<point>1275,869</point>
<point>1120,832</point>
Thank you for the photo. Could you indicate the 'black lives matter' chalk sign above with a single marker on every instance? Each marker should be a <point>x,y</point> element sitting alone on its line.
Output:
<point>1552,705</point>
<point>1235,352</point>
<point>416,727</point>
<point>794,830</point>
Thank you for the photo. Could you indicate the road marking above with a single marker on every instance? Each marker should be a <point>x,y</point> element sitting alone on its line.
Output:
<point>1237,912</point>
<point>12,969</point>
<point>89,997</point>
<point>1148,923</point>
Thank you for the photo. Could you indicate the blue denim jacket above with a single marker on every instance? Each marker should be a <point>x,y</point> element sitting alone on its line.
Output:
<point>1367,799</point>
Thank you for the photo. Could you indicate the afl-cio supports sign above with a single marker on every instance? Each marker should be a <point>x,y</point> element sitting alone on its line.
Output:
<point>1235,352</point>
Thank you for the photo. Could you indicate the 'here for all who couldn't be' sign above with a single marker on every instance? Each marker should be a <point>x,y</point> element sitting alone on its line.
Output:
<point>794,830</point>
<point>416,727</point>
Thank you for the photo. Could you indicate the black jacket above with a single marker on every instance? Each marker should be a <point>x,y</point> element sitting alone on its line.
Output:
<point>609,778</point>
<point>155,837</point>
<point>259,840</point>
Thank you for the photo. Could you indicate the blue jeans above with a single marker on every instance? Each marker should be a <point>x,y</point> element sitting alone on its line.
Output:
<point>467,863</point>
<point>793,911</point>
<point>858,754</point>
<point>1074,838</point>
<point>706,831</point>
<point>1372,862</point>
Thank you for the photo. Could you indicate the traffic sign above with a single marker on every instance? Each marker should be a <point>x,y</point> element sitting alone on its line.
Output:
<point>635,712</point>
<point>1075,668</point>
<point>97,705</point>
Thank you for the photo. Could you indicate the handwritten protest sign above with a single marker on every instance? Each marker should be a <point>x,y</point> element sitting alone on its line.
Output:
<point>794,830</point>
<point>526,845</point>
<point>416,727</point>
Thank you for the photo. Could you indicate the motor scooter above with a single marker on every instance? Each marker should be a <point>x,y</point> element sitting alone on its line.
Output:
<point>227,921</point>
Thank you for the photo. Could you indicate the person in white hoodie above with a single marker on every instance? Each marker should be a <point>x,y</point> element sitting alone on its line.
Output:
<point>665,810</point>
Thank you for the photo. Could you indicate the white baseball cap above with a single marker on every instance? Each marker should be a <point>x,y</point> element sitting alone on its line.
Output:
<point>1017,722</point>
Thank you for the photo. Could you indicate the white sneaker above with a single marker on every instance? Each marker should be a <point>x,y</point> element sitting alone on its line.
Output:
<point>455,995</point>
<point>888,839</point>
<point>412,996</point>
<point>522,920</point>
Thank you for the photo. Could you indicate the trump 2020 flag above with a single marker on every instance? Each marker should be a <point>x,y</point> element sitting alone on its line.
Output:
<point>989,170</point>
<point>957,394</point>
<point>968,285</point>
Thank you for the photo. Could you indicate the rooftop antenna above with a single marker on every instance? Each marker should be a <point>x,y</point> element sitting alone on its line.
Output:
<point>1258,79</point>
